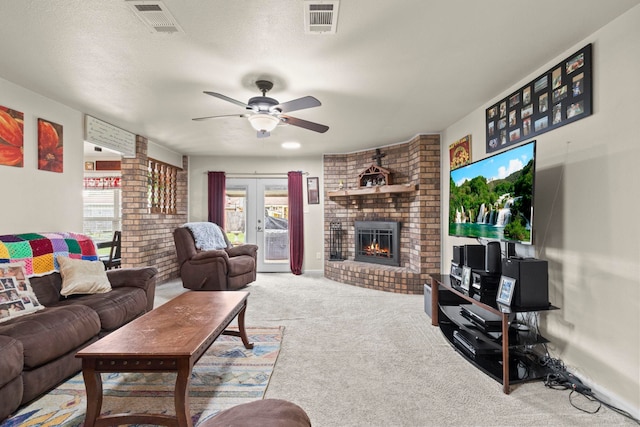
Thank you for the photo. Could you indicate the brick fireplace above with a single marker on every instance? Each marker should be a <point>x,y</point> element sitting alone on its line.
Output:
<point>415,169</point>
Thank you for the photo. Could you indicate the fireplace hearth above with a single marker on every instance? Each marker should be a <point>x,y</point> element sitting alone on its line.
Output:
<point>377,242</point>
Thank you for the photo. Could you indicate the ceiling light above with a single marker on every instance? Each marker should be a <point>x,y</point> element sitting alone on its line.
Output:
<point>263,122</point>
<point>290,145</point>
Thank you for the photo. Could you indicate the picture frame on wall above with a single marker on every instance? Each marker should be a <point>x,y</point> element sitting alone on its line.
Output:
<point>313,191</point>
<point>460,152</point>
<point>12,140</point>
<point>506,288</point>
<point>558,97</point>
<point>50,146</point>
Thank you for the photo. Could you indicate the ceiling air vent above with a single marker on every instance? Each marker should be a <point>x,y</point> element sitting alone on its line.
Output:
<point>156,16</point>
<point>320,17</point>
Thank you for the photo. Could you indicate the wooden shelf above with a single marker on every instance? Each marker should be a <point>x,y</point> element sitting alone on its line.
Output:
<point>376,189</point>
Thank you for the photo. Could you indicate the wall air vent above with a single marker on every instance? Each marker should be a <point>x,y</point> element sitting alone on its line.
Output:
<point>155,15</point>
<point>320,17</point>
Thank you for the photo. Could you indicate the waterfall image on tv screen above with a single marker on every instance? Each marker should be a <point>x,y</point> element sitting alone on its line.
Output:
<point>493,197</point>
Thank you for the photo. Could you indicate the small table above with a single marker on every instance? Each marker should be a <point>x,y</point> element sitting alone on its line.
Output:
<point>170,338</point>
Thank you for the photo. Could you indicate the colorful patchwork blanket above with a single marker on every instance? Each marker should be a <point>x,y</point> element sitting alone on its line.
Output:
<point>38,251</point>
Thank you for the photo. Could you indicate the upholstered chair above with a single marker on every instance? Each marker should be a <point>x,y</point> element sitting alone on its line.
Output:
<point>227,269</point>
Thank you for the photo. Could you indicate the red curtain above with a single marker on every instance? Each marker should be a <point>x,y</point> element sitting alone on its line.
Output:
<point>296,223</point>
<point>217,196</point>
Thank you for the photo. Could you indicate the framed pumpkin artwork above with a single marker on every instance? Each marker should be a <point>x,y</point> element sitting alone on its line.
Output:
<point>460,152</point>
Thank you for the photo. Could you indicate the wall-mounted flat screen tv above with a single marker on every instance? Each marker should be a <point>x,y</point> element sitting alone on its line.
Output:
<point>492,198</point>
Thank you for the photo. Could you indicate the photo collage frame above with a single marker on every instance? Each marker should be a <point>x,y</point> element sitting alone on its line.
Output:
<point>558,97</point>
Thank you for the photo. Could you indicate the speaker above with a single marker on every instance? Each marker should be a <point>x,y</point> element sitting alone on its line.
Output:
<point>510,249</point>
<point>458,255</point>
<point>493,258</point>
<point>474,256</point>
<point>532,281</point>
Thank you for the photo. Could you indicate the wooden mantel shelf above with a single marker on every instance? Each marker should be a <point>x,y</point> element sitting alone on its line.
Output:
<point>376,189</point>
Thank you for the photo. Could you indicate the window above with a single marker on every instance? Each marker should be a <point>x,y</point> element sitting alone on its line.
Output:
<point>102,213</point>
<point>163,188</point>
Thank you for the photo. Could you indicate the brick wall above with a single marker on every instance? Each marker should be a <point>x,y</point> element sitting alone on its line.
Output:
<point>417,162</point>
<point>147,238</point>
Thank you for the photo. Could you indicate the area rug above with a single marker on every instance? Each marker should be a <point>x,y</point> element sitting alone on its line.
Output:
<point>225,376</point>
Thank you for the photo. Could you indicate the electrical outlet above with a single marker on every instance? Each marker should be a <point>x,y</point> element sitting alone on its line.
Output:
<point>318,255</point>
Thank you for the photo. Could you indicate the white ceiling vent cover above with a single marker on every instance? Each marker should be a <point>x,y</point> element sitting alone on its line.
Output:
<point>320,17</point>
<point>155,15</point>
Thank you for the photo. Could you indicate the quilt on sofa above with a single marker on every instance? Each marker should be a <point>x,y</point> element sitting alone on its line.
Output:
<point>38,251</point>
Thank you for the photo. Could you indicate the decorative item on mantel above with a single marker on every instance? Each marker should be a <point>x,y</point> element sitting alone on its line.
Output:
<point>374,175</point>
<point>373,180</point>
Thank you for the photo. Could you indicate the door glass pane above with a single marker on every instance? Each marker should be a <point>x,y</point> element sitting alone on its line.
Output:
<point>236,214</point>
<point>276,229</point>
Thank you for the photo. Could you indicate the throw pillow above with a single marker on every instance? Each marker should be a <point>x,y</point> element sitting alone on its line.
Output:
<point>82,277</point>
<point>16,295</point>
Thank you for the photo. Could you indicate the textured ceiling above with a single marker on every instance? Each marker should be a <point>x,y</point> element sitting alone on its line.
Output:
<point>394,69</point>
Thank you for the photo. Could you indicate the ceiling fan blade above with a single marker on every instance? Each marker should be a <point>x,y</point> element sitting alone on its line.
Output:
<point>218,117</point>
<point>297,104</point>
<point>317,127</point>
<point>226,98</point>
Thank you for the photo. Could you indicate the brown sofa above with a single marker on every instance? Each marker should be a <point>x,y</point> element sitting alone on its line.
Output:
<point>37,351</point>
<point>226,269</point>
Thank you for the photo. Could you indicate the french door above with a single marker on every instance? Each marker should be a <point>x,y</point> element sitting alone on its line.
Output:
<point>256,212</point>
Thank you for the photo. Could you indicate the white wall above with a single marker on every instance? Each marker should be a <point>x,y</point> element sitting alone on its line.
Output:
<point>35,200</point>
<point>163,154</point>
<point>313,214</point>
<point>585,219</point>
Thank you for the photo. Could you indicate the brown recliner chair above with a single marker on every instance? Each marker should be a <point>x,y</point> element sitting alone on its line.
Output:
<point>214,270</point>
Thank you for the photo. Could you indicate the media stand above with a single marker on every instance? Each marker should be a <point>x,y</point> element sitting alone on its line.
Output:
<point>491,346</point>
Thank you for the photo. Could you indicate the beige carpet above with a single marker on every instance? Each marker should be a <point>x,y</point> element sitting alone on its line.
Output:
<point>359,357</point>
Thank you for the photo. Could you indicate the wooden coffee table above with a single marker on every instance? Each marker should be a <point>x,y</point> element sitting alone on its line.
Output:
<point>170,338</point>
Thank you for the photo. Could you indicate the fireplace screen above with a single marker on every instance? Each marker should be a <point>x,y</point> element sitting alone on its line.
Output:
<point>377,242</point>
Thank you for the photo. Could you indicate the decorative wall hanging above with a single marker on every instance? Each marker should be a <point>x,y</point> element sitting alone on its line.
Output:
<point>313,191</point>
<point>50,146</point>
<point>11,137</point>
<point>460,153</point>
<point>558,97</point>
<point>108,165</point>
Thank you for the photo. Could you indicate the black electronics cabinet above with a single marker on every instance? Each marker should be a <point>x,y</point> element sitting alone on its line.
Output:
<point>486,334</point>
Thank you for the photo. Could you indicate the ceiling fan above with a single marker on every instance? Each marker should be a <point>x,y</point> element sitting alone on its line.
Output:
<point>267,113</point>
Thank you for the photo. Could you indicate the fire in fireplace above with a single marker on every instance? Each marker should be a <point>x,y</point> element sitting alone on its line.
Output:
<point>377,242</point>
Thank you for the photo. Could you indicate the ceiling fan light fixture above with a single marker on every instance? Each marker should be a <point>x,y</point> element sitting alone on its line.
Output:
<point>263,122</point>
